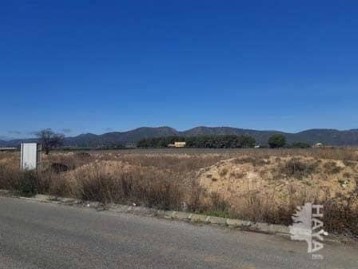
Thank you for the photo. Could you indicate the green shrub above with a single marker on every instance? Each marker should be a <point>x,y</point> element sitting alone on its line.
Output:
<point>27,185</point>
<point>300,145</point>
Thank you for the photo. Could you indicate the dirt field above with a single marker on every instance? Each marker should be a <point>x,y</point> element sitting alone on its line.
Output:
<point>255,184</point>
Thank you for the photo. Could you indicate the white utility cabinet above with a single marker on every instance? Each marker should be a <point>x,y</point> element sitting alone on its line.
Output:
<point>30,156</point>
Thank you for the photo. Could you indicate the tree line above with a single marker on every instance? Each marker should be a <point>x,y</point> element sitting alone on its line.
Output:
<point>51,140</point>
<point>279,141</point>
<point>207,141</point>
<point>219,141</point>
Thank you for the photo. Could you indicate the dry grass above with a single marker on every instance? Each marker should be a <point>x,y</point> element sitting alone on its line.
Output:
<point>297,168</point>
<point>259,185</point>
<point>269,189</point>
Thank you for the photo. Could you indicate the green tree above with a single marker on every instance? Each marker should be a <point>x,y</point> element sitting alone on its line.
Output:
<point>300,145</point>
<point>277,141</point>
<point>247,141</point>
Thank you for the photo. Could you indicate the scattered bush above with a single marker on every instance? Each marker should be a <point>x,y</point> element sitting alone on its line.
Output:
<point>255,161</point>
<point>223,172</point>
<point>59,167</point>
<point>83,155</point>
<point>300,145</point>
<point>342,216</point>
<point>332,168</point>
<point>27,184</point>
<point>297,168</point>
<point>218,207</point>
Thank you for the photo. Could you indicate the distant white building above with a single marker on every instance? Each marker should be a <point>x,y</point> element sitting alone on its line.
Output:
<point>177,145</point>
<point>318,145</point>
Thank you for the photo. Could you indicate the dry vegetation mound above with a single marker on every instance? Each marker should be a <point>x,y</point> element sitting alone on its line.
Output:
<point>258,185</point>
<point>269,189</point>
<point>280,178</point>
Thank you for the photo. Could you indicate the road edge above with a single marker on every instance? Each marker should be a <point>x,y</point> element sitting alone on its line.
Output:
<point>194,218</point>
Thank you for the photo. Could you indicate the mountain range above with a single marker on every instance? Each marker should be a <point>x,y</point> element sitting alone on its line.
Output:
<point>312,136</point>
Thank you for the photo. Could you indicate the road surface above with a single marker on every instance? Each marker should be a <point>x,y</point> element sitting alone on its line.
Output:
<point>38,235</point>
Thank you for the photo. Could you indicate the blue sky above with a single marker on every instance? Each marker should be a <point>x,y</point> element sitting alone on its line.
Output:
<point>98,66</point>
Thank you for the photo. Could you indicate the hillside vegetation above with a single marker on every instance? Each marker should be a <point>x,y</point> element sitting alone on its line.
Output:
<point>325,136</point>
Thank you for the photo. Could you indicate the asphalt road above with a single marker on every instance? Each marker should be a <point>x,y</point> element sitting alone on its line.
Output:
<point>38,235</point>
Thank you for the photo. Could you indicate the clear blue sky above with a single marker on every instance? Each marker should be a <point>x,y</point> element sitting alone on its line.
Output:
<point>94,66</point>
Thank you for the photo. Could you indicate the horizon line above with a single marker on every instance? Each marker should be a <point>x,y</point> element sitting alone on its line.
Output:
<point>4,138</point>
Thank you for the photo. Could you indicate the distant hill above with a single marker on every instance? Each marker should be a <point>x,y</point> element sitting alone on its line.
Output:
<point>3,143</point>
<point>325,136</point>
<point>17,142</point>
<point>260,136</point>
<point>328,136</point>
<point>124,138</point>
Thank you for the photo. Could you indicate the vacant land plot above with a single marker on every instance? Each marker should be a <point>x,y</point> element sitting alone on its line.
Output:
<point>259,185</point>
